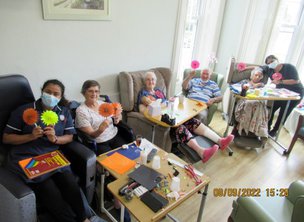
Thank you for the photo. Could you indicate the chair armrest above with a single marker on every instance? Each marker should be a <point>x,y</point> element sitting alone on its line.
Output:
<point>211,110</point>
<point>83,164</point>
<point>125,131</point>
<point>141,125</point>
<point>14,184</point>
<point>17,200</point>
<point>247,209</point>
<point>296,189</point>
<point>298,212</point>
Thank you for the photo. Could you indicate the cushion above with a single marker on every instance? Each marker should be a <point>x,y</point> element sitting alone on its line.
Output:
<point>238,76</point>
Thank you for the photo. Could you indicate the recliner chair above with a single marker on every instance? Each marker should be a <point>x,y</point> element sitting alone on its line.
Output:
<point>229,101</point>
<point>216,77</point>
<point>130,83</point>
<point>17,200</point>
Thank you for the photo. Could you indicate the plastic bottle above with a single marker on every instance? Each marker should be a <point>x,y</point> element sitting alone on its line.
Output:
<point>143,157</point>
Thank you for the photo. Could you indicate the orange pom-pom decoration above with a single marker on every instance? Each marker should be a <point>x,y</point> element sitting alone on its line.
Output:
<point>106,109</point>
<point>30,116</point>
<point>117,108</point>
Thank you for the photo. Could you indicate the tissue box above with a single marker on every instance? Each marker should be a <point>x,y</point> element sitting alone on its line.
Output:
<point>154,109</point>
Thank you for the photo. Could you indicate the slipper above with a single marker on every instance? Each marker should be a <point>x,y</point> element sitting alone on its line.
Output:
<point>224,142</point>
<point>208,153</point>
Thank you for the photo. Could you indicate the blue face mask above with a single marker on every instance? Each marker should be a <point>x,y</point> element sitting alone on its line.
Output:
<point>49,100</point>
<point>273,65</point>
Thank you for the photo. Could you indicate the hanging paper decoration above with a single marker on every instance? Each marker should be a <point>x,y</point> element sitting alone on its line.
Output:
<point>117,108</point>
<point>277,76</point>
<point>49,117</point>
<point>195,64</point>
<point>30,116</point>
<point>106,109</point>
<point>241,66</point>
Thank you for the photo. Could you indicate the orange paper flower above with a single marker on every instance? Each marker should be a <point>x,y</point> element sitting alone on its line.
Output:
<point>106,109</point>
<point>30,116</point>
<point>117,108</point>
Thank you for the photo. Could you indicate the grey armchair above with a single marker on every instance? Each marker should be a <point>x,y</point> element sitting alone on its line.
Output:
<point>271,208</point>
<point>17,200</point>
<point>216,77</point>
<point>130,83</point>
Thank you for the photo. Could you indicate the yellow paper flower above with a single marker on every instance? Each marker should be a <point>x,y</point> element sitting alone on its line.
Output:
<point>49,117</point>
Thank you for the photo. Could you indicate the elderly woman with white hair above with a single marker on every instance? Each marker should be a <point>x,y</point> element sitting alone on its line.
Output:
<point>184,133</point>
<point>256,78</point>
<point>252,115</point>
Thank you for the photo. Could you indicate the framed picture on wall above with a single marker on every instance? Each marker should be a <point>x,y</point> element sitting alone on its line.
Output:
<point>76,9</point>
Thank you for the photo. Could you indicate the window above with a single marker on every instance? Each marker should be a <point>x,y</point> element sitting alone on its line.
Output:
<point>286,40</point>
<point>287,20</point>
<point>188,41</point>
<point>200,34</point>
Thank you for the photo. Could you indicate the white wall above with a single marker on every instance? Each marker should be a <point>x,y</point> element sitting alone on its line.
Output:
<point>139,36</point>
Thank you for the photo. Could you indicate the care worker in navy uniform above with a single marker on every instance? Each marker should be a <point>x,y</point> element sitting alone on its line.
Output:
<point>57,191</point>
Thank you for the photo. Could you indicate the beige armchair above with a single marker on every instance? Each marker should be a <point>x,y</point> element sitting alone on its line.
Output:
<point>130,83</point>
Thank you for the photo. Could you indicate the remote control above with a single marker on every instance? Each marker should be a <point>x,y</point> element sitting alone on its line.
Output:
<point>151,154</point>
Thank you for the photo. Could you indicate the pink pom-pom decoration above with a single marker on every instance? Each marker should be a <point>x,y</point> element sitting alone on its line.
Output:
<point>277,76</point>
<point>241,66</point>
<point>195,64</point>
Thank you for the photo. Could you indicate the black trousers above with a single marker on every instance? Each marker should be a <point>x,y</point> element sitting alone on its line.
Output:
<point>113,143</point>
<point>281,105</point>
<point>60,195</point>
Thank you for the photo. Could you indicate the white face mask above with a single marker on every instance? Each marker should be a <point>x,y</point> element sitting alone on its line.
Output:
<point>273,65</point>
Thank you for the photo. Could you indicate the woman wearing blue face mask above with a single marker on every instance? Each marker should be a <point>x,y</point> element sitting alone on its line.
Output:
<point>58,190</point>
<point>290,80</point>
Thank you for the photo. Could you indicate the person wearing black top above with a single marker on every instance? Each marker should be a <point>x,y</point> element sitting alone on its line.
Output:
<point>290,80</point>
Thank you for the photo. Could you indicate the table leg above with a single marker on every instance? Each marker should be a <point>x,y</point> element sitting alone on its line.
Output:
<point>229,121</point>
<point>201,210</point>
<point>281,122</point>
<point>122,213</point>
<point>153,133</point>
<point>102,206</point>
<point>279,130</point>
<point>172,218</point>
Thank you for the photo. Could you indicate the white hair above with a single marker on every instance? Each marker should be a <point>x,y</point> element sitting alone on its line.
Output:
<point>255,70</point>
<point>150,73</point>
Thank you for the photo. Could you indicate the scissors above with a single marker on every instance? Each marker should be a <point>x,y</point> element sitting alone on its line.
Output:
<point>190,171</point>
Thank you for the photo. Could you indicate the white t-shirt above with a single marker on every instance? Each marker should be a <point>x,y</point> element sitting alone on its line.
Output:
<point>86,117</point>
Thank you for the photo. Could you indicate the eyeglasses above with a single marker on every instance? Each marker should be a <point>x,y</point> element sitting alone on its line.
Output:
<point>93,91</point>
<point>150,80</point>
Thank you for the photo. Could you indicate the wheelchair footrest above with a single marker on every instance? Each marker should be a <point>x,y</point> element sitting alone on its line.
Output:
<point>190,153</point>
